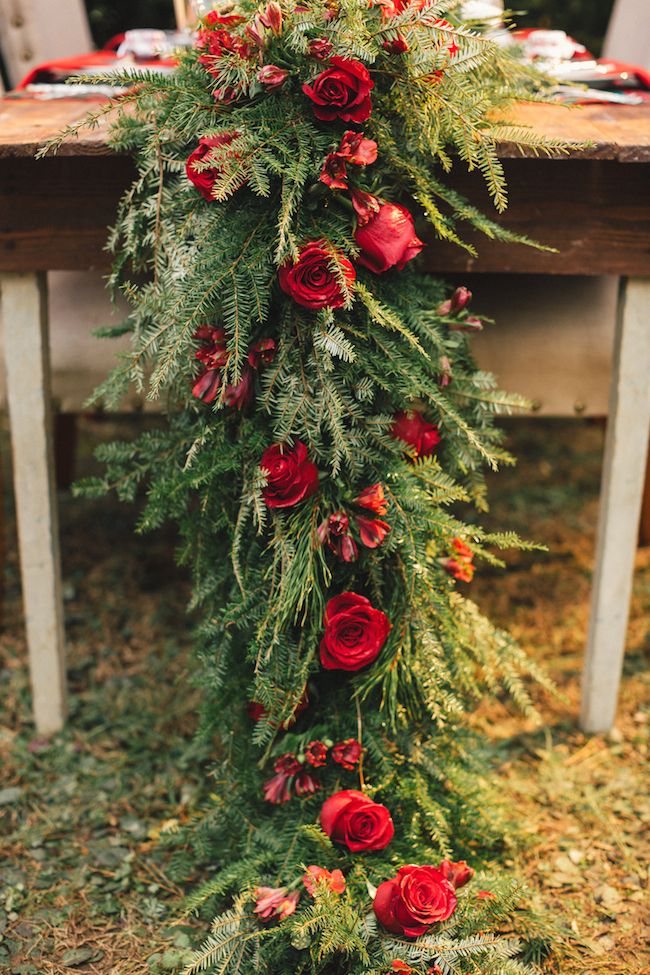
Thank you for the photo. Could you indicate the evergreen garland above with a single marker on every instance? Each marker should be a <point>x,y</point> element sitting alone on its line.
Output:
<point>325,416</point>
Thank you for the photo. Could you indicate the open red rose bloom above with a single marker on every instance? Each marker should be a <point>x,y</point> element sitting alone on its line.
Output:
<point>291,476</point>
<point>354,634</point>
<point>312,282</point>
<point>414,900</point>
<point>355,821</point>
<point>341,91</point>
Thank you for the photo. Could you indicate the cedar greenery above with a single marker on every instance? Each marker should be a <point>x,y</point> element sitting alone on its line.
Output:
<point>261,579</point>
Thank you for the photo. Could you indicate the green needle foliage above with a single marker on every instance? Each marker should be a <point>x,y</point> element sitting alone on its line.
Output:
<point>340,374</point>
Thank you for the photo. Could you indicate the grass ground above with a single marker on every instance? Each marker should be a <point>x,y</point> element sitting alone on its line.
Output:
<point>85,882</point>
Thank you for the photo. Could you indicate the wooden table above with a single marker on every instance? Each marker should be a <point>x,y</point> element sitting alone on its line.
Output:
<point>593,206</point>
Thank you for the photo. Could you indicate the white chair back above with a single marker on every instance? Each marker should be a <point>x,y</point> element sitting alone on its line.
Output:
<point>34,31</point>
<point>628,35</point>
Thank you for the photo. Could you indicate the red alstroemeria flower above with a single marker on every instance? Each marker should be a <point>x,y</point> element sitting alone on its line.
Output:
<point>275,903</point>
<point>373,499</point>
<point>335,880</point>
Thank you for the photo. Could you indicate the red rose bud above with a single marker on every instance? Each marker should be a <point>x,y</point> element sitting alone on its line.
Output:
<point>291,476</point>
<point>354,634</point>
<point>348,549</point>
<point>347,753</point>
<point>205,178</point>
<point>275,902</point>
<point>262,352</point>
<point>373,499</point>
<point>316,754</point>
<point>398,45</point>
<point>312,283</point>
<point>334,881</point>
<point>414,900</point>
<point>373,531</point>
<point>305,784</point>
<point>342,91</point>
<point>355,821</point>
<point>414,430</point>
<point>469,324</point>
<point>272,17</point>
<point>385,233</point>
<point>458,873</point>
<point>486,895</point>
<point>272,77</point>
<point>460,299</point>
<point>320,48</point>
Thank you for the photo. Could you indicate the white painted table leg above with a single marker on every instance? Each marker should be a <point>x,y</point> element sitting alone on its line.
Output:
<point>24,314</point>
<point>620,506</point>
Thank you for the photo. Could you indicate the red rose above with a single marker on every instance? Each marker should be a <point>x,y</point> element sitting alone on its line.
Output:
<point>347,753</point>
<point>414,900</point>
<point>342,91</point>
<point>311,282</point>
<point>457,873</point>
<point>354,634</point>
<point>204,179</point>
<point>385,233</point>
<point>356,821</point>
<point>291,476</point>
<point>413,429</point>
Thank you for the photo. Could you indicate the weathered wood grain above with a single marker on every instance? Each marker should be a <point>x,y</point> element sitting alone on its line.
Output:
<point>620,507</point>
<point>24,320</point>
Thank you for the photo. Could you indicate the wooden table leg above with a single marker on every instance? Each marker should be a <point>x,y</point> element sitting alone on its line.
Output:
<point>25,327</point>
<point>622,488</point>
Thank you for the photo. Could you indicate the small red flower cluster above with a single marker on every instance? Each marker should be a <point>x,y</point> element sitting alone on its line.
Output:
<point>214,355</point>
<point>461,564</point>
<point>452,308</point>
<point>345,753</point>
<point>290,773</point>
<point>335,530</point>
<point>275,903</point>
<point>355,150</point>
